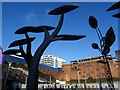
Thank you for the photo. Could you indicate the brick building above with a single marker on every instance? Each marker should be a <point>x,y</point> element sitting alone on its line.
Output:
<point>86,68</point>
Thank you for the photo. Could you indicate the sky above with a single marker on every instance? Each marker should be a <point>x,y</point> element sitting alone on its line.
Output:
<point>19,14</point>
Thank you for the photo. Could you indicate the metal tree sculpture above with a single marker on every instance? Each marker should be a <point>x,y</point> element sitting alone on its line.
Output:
<point>114,7</point>
<point>105,44</point>
<point>33,61</point>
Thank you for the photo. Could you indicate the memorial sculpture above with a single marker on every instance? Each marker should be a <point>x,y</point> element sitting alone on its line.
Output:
<point>33,61</point>
<point>105,43</point>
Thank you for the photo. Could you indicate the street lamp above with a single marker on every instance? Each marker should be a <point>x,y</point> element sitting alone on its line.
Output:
<point>78,73</point>
<point>105,44</point>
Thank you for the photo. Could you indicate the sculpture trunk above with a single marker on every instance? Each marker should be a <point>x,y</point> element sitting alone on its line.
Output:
<point>32,82</point>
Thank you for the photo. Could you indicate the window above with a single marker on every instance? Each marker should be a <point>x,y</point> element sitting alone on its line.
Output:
<point>98,76</point>
<point>97,69</point>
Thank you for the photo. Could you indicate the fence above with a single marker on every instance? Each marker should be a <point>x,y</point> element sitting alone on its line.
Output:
<point>89,86</point>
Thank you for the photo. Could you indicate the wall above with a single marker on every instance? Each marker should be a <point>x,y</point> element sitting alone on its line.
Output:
<point>87,69</point>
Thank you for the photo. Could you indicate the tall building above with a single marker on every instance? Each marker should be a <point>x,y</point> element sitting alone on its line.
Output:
<point>52,61</point>
<point>117,54</point>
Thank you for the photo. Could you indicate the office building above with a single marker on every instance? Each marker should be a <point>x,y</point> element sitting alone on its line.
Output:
<point>117,52</point>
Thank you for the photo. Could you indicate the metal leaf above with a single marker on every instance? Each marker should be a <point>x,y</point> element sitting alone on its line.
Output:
<point>21,42</point>
<point>42,29</point>
<point>116,15</point>
<point>95,46</point>
<point>114,6</point>
<point>69,37</point>
<point>37,29</point>
<point>110,37</point>
<point>105,51</point>
<point>24,30</point>
<point>93,22</point>
<point>12,51</point>
<point>63,9</point>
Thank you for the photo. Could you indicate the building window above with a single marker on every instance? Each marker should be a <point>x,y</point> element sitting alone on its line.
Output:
<point>97,69</point>
<point>98,76</point>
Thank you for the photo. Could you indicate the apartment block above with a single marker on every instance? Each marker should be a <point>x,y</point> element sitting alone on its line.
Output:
<point>52,61</point>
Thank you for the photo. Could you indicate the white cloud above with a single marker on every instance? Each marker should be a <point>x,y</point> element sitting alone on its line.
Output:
<point>48,18</point>
<point>31,18</point>
<point>34,19</point>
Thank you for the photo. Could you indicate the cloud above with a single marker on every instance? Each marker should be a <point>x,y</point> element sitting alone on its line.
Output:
<point>31,18</point>
<point>35,19</point>
<point>48,18</point>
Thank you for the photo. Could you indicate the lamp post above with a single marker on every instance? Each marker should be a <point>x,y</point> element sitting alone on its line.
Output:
<point>78,75</point>
<point>105,44</point>
<point>50,78</point>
